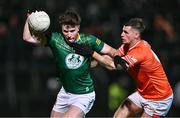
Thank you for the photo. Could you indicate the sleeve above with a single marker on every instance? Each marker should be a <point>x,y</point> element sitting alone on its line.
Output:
<point>95,43</point>
<point>121,51</point>
<point>135,57</point>
<point>51,37</point>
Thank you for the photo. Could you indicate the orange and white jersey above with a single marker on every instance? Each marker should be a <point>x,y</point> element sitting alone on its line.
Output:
<point>146,69</point>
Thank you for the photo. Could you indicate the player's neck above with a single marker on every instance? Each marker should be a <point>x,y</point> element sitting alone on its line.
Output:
<point>134,42</point>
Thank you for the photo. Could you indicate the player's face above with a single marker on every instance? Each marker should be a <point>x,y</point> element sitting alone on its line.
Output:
<point>129,35</point>
<point>70,32</point>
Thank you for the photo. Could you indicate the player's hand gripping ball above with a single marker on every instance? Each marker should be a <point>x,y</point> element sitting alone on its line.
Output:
<point>39,21</point>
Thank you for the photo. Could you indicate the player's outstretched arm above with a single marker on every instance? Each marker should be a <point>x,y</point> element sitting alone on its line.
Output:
<point>104,60</point>
<point>85,50</point>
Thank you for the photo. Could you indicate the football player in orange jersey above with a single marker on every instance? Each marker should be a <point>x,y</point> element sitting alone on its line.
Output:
<point>154,96</point>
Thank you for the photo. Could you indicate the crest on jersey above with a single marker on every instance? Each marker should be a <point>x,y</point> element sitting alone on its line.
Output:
<point>74,61</point>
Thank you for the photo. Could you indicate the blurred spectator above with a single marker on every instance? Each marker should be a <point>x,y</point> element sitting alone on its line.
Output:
<point>161,24</point>
<point>3,29</point>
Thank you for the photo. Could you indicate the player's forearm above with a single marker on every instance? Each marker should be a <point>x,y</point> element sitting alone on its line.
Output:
<point>108,64</point>
<point>27,36</point>
<point>104,61</point>
<point>108,50</point>
<point>26,32</point>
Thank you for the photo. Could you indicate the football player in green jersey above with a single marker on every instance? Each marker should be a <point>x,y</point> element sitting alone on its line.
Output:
<point>77,95</point>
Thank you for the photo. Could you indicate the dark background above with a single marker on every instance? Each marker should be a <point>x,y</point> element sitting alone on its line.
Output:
<point>28,85</point>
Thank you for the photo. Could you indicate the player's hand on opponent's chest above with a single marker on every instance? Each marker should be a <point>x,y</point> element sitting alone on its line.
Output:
<point>83,49</point>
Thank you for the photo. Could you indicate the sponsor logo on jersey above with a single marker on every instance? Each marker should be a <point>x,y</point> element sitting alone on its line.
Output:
<point>74,61</point>
<point>134,59</point>
<point>98,41</point>
<point>87,88</point>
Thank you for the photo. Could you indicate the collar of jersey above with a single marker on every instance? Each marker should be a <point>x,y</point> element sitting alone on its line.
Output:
<point>78,37</point>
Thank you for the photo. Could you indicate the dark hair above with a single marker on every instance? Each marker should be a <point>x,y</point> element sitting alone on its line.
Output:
<point>70,17</point>
<point>136,23</point>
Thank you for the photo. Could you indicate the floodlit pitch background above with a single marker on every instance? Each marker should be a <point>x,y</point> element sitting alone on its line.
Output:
<point>28,85</point>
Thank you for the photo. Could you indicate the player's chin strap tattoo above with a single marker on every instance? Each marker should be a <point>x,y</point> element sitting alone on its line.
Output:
<point>82,49</point>
<point>119,61</point>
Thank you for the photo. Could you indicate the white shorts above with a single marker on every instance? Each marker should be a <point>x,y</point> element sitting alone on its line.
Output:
<point>64,100</point>
<point>159,108</point>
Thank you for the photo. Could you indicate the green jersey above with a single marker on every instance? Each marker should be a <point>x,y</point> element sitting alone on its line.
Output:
<point>74,69</point>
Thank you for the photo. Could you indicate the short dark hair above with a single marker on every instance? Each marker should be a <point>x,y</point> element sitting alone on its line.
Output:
<point>70,17</point>
<point>136,23</point>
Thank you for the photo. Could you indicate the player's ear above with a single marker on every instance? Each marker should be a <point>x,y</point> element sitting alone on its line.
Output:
<point>137,35</point>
